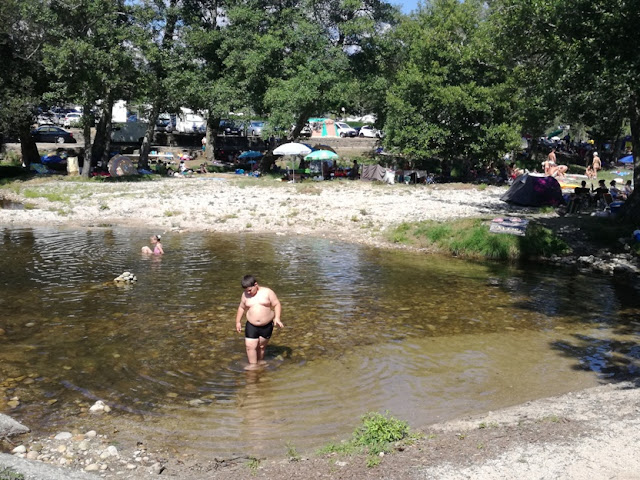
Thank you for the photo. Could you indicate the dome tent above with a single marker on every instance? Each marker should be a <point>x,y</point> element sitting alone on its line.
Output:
<point>534,191</point>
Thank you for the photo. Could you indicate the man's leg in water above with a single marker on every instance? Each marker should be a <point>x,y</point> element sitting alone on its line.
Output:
<point>252,345</point>
<point>262,348</point>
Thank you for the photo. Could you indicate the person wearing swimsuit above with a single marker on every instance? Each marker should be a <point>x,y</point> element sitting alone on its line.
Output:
<point>157,246</point>
<point>263,310</point>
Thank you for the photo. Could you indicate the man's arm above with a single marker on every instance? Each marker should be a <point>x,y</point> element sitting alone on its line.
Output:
<point>240,314</point>
<point>277,308</point>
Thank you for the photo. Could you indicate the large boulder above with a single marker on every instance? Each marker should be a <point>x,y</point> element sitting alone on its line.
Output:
<point>9,427</point>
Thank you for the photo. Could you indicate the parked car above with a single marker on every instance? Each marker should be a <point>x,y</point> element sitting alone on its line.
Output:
<point>344,130</point>
<point>228,127</point>
<point>45,118</point>
<point>71,120</point>
<point>255,128</point>
<point>52,134</point>
<point>370,132</point>
<point>305,132</point>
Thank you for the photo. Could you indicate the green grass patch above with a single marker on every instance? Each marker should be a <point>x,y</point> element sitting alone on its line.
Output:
<point>374,436</point>
<point>8,474</point>
<point>471,238</point>
<point>51,196</point>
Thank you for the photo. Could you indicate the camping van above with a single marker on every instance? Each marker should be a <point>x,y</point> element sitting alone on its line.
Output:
<point>130,133</point>
<point>187,121</point>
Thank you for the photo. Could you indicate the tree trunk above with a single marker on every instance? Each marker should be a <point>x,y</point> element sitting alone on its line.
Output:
<point>631,209</point>
<point>87,122</point>
<point>145,148</point>
<point>28,147</point>
<point>102,140</point>
<point>302,120</point>
<point>213,125</point>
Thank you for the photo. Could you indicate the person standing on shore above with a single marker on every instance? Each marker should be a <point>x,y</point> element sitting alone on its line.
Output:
<point>263,310</point>
<point>596,164</point>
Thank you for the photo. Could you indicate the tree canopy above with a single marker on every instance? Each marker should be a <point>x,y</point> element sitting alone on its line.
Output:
<point>457,80</point>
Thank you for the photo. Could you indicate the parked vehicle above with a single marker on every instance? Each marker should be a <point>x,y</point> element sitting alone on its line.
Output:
<point>131,133</point>
<point>45,118</point>
<point>370,132</point>
<point>71,120</point>
<point>344,130</point>
<point>305,132</point>
<point>228,127</point>
<point>189,122</point>
<point>52,134</point>
<point>255,128</point>
<point>164,123</point>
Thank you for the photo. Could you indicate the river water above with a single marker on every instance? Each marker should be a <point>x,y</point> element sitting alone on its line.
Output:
<point>424,337</point>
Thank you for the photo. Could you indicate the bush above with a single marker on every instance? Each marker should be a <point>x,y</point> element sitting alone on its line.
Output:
<point>375,435</point>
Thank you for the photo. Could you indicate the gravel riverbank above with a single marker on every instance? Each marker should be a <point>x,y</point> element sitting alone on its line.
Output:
<point>587,434</point>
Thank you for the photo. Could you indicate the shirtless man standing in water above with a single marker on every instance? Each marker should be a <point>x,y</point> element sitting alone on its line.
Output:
<point>263,310</point>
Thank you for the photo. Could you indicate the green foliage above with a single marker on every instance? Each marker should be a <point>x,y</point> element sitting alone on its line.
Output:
<point>292,453</point>
<point>373,437</point>
<point>378,431</point>
<point>471,238</point>
<point>452,97</point>
<point>253,464</point>
<point>8,474</point>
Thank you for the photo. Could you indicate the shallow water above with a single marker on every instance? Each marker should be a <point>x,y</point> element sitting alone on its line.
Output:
<point>424,337</point>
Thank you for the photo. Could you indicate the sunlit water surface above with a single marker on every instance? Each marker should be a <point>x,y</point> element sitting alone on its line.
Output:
<point>424,337</point>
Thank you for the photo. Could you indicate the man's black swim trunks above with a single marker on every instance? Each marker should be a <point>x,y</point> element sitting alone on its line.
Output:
<point>251,331</point>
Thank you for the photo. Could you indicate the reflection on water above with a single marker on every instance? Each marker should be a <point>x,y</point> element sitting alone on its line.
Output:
<point>425,337</point>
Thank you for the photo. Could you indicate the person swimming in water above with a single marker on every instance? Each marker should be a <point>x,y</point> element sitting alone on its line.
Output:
<point>157,246</point>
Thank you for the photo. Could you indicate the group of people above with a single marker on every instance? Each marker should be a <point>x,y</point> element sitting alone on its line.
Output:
<point>551,167</point>
<point>584,195</point>
<point>594,166</point>
<point>260,304</point>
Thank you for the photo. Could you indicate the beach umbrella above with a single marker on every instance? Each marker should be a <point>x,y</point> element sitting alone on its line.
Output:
<point>321,155</point>
<point>250,154</point>
<point>292,148</point>
<point>627,159</point>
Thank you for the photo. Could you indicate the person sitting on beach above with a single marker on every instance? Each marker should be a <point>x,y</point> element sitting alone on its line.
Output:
<point>628,188</point>
<point>591,172</point>
<point>157,246</point>
<point>582,189</point>
<point>615,192</point>
<point>513,171</point>
<point>598,193</point>
<point>183,168</point>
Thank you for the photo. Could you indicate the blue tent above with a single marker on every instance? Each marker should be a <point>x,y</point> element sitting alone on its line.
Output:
<point>627,159</point>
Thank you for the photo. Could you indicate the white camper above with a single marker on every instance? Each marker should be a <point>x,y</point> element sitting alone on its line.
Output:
<point>187,121</point>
